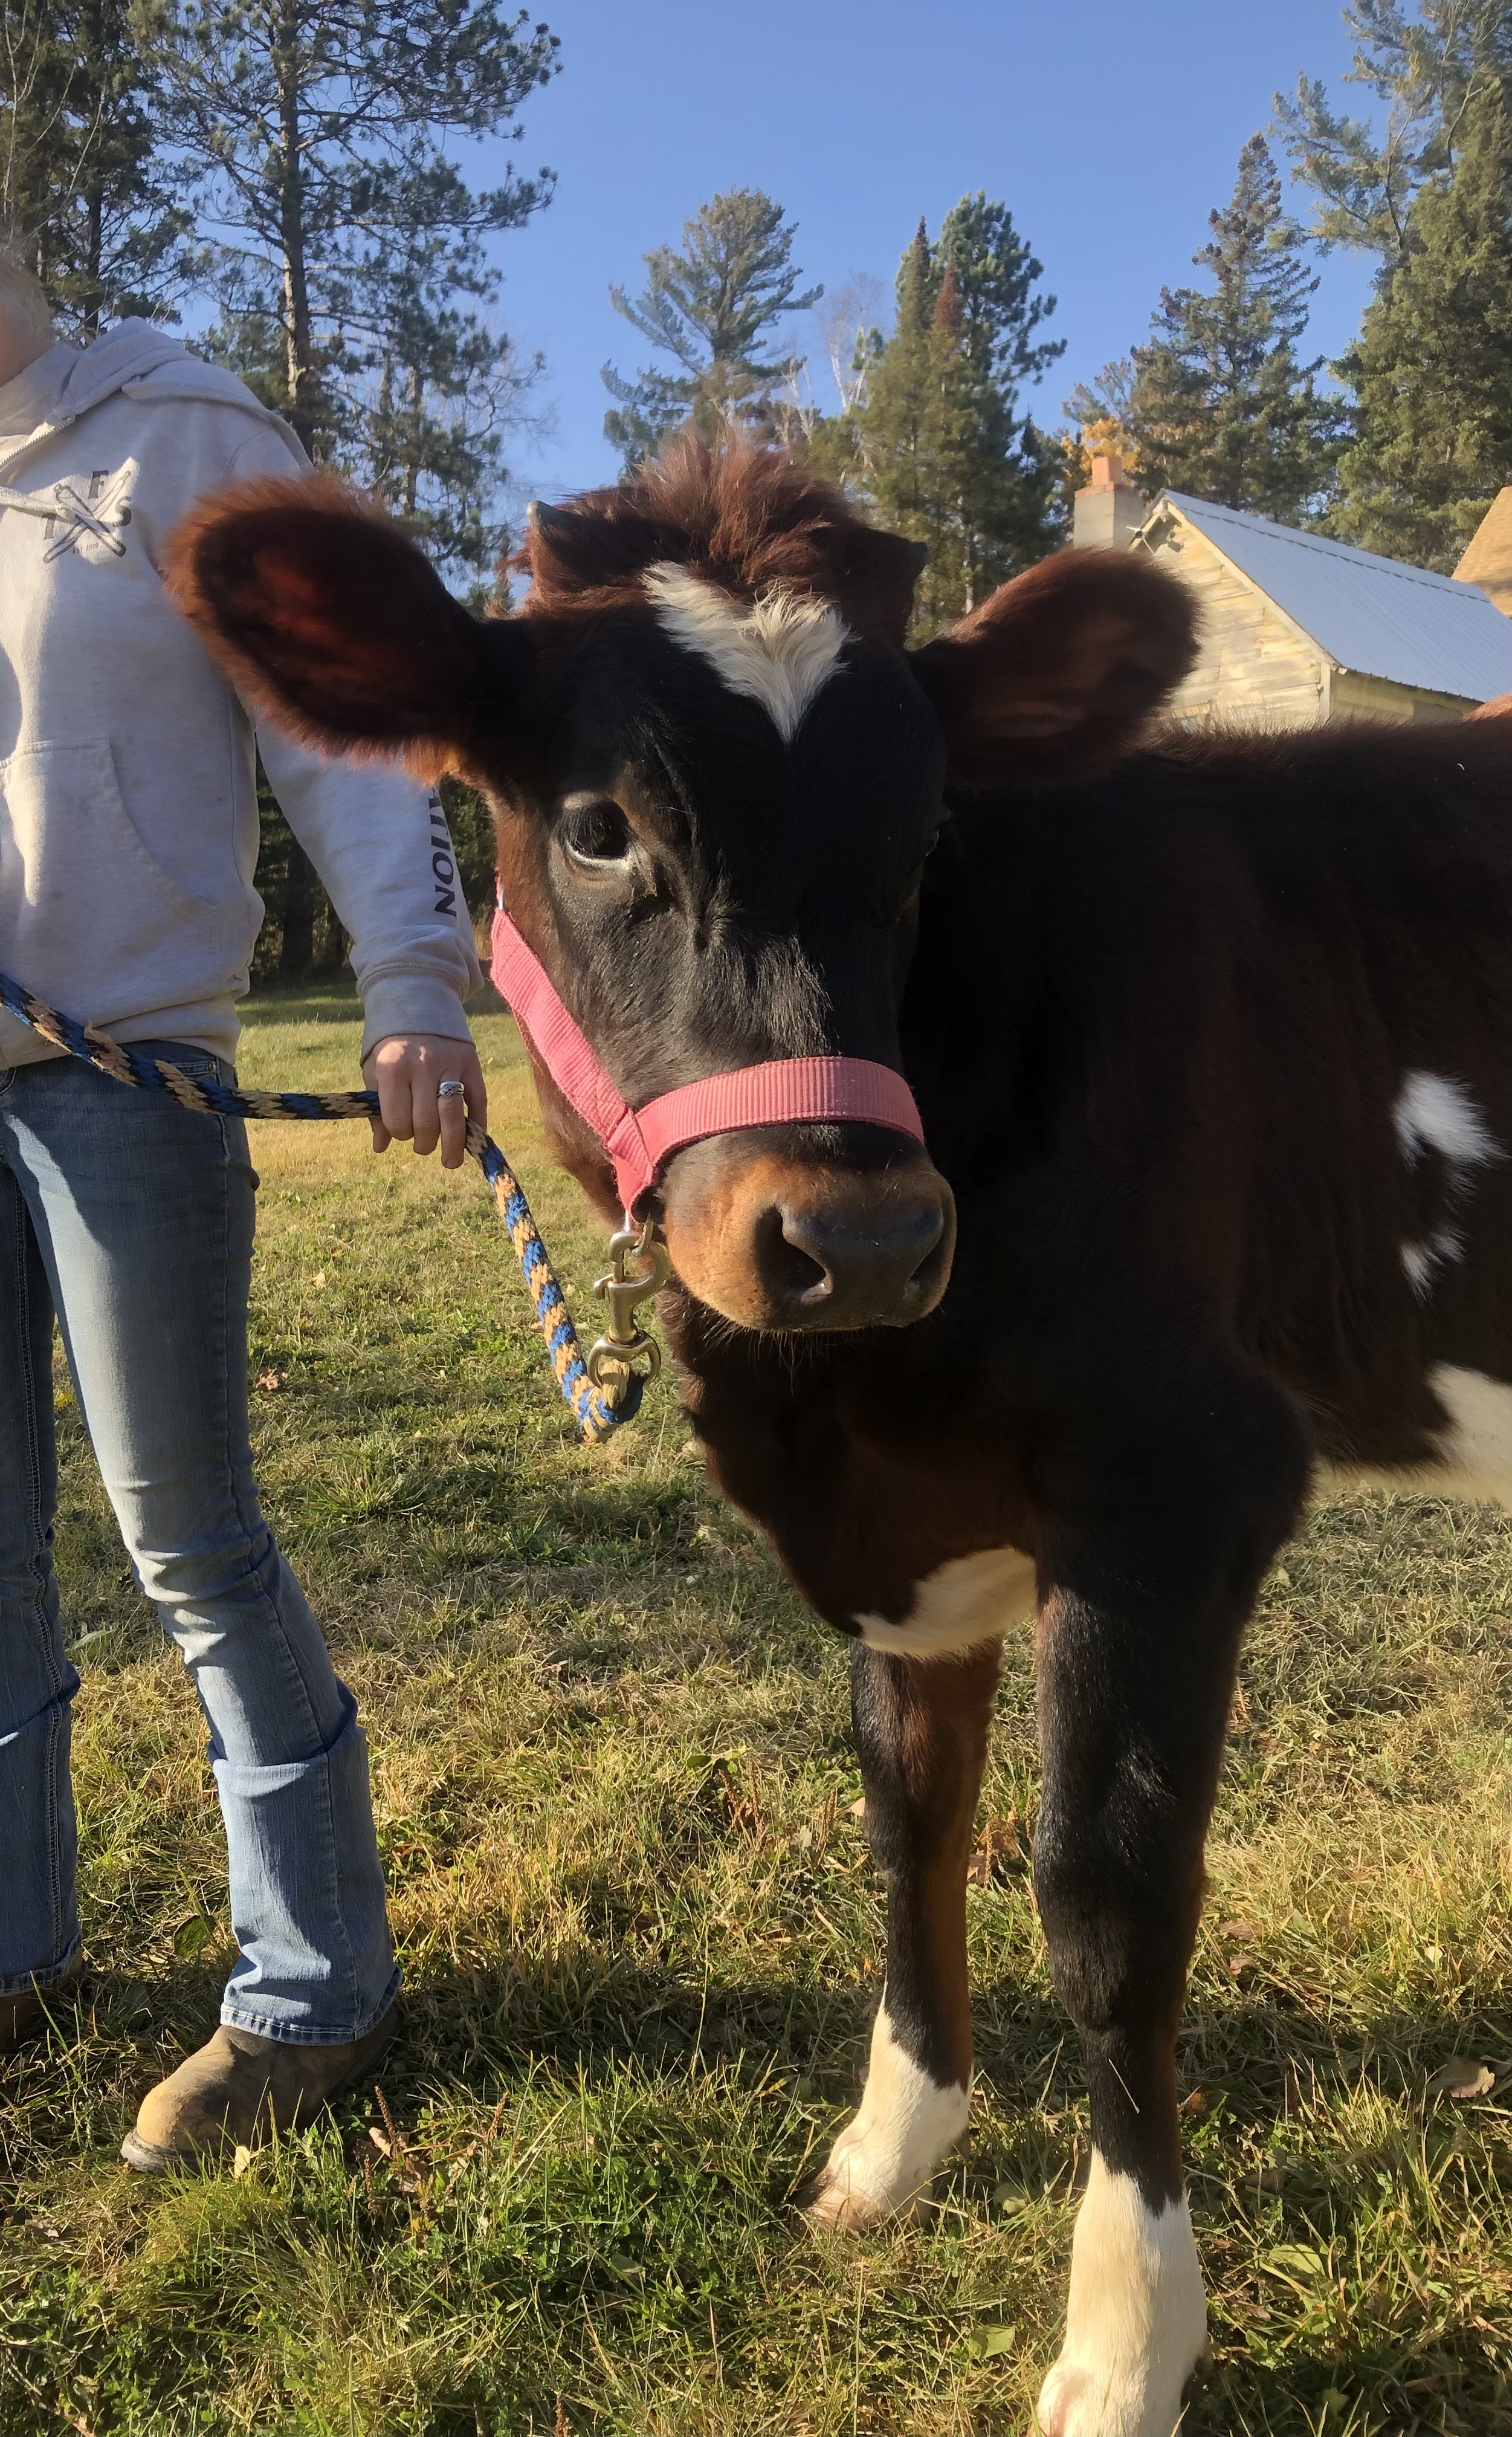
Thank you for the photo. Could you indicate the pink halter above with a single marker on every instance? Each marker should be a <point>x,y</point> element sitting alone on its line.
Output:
<point>789,1091</point>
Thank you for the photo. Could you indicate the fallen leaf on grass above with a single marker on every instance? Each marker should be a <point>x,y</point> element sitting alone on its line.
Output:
<point>240,2161</point>
<point>998,1853</point>
<point>985,2344</point>
<point>1296,2259</point>
<point>1463,2077</point>
<point>1244,1933</point>
<point>271,1380</point>
<point>193,1936</point>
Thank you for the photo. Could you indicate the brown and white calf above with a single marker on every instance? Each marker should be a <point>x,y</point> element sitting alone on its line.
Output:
<point>1214,1055</point>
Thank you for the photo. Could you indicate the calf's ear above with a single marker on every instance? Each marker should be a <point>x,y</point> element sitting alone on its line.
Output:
<point>1052,677</point>
<point>322,613</point>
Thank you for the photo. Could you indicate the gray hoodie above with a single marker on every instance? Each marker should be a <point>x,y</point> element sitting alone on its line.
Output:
<point>128,781</point>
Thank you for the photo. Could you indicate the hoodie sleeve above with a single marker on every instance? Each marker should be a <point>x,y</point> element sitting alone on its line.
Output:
<point>381,844</point>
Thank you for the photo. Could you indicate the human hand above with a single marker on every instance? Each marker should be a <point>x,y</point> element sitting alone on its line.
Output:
<point>406,1071</point>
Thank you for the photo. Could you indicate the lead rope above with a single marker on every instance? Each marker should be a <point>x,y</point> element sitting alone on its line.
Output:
<point>603,1389</point>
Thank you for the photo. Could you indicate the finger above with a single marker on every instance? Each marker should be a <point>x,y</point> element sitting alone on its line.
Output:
<point>454,1128</point>
<point>427,1114</point>
<point>477,1093</point>
<point>382,1136</point>
<point>395,1102</point>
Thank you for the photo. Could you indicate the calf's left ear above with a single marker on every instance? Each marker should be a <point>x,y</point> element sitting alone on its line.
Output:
<point>322,613</point>
<point>1051,678</point>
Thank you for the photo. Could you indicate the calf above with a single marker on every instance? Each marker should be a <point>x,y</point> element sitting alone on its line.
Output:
<point>1214,1059</point>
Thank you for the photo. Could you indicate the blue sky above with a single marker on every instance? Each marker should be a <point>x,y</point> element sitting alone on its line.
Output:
<point>1110,130</point>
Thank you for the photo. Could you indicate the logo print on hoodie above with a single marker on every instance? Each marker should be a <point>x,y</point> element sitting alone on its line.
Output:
<point>82,516</point>
<point>95,516</point>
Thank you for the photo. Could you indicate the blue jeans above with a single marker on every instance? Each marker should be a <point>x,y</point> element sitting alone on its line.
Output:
<point>132,1218</point>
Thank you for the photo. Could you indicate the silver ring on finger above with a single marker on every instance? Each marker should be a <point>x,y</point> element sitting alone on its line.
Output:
<point>450,1088</point>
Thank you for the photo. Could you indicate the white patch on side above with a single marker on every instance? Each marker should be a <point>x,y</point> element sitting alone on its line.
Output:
<point>969,1601</point>
<point>1434,1113</point>
<point>1135,2317</point>
<point>889,2150</point>
<point>781,649</point>
<point>1474,1453</point>
<point>1477,1447</point>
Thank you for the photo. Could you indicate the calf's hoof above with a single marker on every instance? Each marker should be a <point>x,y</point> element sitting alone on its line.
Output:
<point>1135,2318</point>
<point>238,2088</point>
<point>27,2016</point>
<point>885,2158</point>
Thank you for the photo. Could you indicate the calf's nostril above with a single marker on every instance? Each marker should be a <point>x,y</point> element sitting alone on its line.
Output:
<point>791,1264</point>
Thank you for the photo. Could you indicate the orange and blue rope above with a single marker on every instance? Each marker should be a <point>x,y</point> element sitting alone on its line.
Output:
<point>595,1414</point>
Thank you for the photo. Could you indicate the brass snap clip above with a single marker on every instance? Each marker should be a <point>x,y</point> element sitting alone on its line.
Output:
<point>612,1359</point>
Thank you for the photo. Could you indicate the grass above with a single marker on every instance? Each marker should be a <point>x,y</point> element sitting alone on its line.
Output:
<point>614,1792</point>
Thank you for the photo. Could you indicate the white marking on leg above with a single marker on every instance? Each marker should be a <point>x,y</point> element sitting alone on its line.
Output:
<point>1435,1113</point>
<point>971,1601</point>
<point>1136,2316</point>
<point>782,649</point>
<point>889,2150</point>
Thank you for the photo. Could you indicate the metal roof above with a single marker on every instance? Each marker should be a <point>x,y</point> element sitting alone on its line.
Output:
<point>1373,615</point>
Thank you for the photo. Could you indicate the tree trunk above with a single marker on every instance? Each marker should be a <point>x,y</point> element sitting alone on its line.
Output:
<point>299,353</point>
<point>297,947</point>
<point>412,468</point>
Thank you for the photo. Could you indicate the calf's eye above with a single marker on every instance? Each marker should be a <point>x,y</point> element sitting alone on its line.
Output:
<point>594,832</point>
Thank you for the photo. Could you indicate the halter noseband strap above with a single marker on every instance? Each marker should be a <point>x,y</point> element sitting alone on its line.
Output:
<point>787,1091</point>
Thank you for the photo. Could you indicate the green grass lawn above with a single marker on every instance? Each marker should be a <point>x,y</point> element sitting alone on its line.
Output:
<point>616,1799</point>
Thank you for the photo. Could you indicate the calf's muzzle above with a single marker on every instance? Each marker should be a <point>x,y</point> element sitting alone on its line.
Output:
<point>774,1242</point>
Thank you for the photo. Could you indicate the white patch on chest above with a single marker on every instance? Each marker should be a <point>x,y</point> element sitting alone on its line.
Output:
<point>1435,1113</point>
<point>969,1601</point>
<point>887,2153</point>
<point>781,649</point>
<point>1474,1453</point>
<point>1136,2316</point>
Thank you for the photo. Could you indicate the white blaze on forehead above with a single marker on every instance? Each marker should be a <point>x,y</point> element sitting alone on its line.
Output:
<point>1135,2318</point>
<point>903,2128</point>
<point>781,649</point>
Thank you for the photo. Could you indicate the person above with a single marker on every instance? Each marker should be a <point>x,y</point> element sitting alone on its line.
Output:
<point>128,843</point>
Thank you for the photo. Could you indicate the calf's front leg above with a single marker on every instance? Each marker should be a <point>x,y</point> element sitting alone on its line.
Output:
<point>1138,1634</point>
<point>920,1728</point>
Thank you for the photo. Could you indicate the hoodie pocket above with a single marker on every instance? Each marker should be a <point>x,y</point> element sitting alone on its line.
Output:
<point>89,919</point>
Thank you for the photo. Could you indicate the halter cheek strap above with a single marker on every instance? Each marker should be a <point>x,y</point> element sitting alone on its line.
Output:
<point>787,1091</point>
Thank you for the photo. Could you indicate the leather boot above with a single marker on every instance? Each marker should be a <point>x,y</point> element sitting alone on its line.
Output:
<point>27,2016</point>
<point>238,2088</point>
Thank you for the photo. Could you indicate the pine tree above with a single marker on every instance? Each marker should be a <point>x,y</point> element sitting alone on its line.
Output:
<point>936,446</point>
<point>342,236</point>
<point>712,309</point>
<point>1221,406</point>
<point>1432,369</point>
<point>1427,69</point>
<point>84,196</point>
<point>319,130</point>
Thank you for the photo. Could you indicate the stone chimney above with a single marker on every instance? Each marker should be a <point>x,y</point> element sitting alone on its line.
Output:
<point>1109,512</point>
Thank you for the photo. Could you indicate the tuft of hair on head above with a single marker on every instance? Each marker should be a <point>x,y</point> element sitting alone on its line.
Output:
<point>20,294</point>
<point>744,518</point>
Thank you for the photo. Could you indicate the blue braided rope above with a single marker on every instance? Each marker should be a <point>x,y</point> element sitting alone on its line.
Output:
<point>595,1414</point>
